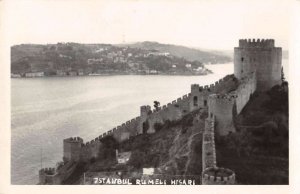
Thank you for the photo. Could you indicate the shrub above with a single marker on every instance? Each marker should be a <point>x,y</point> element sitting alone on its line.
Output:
<point>158,126</point>
<point>93,160</point>
<point>137,159</point>
<point>187,121</point>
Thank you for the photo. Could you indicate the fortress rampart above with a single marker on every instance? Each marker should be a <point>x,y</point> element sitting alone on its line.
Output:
<point>76,150</point>
<point>244,91</point>
<point>212,175</point>
<point>257,67</point>
<point>256,43</point>
<point>208,144</point>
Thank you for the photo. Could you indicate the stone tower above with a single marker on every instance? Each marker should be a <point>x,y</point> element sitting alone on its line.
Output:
<point>72,148</point>
<point>260,56</point>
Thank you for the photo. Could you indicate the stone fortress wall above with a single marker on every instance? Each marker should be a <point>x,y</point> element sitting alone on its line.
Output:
<point>257,67</point>
<point>208,144</point>
<point>75,149</point>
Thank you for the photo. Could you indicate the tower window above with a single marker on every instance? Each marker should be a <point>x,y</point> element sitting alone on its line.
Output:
<point>242,59</point>
<point>195,101</point>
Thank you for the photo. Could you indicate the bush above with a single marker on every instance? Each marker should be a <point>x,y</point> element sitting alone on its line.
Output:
<point>141,143</point>
<point>158,126</point>
<point>93,160</point>
<point>278,100</point>
<point>137,159</point>
<point>187,121</point>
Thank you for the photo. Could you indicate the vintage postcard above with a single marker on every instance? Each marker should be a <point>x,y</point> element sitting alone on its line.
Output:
<point>171,96</point>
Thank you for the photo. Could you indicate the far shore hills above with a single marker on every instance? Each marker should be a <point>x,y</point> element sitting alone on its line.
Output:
<point>142,58</point>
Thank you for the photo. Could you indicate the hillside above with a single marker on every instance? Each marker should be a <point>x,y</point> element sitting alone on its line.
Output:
<point>175,150</point>
<point>257,152</point>
<point>185,52</point>
<point>65,59</point>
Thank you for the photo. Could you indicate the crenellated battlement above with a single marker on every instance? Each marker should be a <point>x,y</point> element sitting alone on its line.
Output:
<point>49,176</point>
<point>195,88</point>
<point>218,176</point>
<point>259,56</point>
<point>223,98</point>
<point>47,171</point>
<point>73,140</point>
<point>145,107</point>
<point>93,142</point>
<point>256,43</point>
<point>119,129</point>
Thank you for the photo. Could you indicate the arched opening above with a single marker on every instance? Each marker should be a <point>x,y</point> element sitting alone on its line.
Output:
<point>195,101</point>
<point>205,102</point>
<point>242,59</point>
<point>145,126</point>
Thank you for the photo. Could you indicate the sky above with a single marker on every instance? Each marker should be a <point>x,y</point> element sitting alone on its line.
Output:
<point>208,24</point>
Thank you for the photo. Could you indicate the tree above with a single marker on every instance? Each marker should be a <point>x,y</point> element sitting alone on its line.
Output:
<point>137,159</point>
<point>282,76</point>
<point>156,105</point>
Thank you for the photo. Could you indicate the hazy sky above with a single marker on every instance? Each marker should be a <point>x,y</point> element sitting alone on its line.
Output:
<point>211,24</point>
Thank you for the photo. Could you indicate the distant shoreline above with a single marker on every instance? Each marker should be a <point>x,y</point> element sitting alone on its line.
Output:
<point>106,75</point>
<point>112,74</point>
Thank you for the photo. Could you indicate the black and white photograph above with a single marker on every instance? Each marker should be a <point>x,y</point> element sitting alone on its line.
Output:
<point>140,92</point>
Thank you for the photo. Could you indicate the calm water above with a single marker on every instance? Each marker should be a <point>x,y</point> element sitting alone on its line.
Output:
<point>47,110</point>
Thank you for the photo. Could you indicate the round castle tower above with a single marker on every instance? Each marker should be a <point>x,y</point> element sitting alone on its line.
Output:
<point>218,176</point>
<point>48,176</point>
<point>221,106</point>
<point>260,56</point>
<point>72,148</point>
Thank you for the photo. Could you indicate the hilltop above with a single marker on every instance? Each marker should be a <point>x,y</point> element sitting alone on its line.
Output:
<point>193,54</point>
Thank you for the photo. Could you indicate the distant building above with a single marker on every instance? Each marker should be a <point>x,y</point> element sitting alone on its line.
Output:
<point>188,65</point>
<point>157,54</point>
<point>99,50</point>
<point>64,56</point>
<point>92,61</point>
<point>60,73</point>
<point>13,75</point>
<point>80,72</point>
<point>72,73</point>
<point>123,157</point>
<point>153,72</point>
<point>34,74</point>
<point>199,69</point>
<point>164,54</point>
<point>148,171</point>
